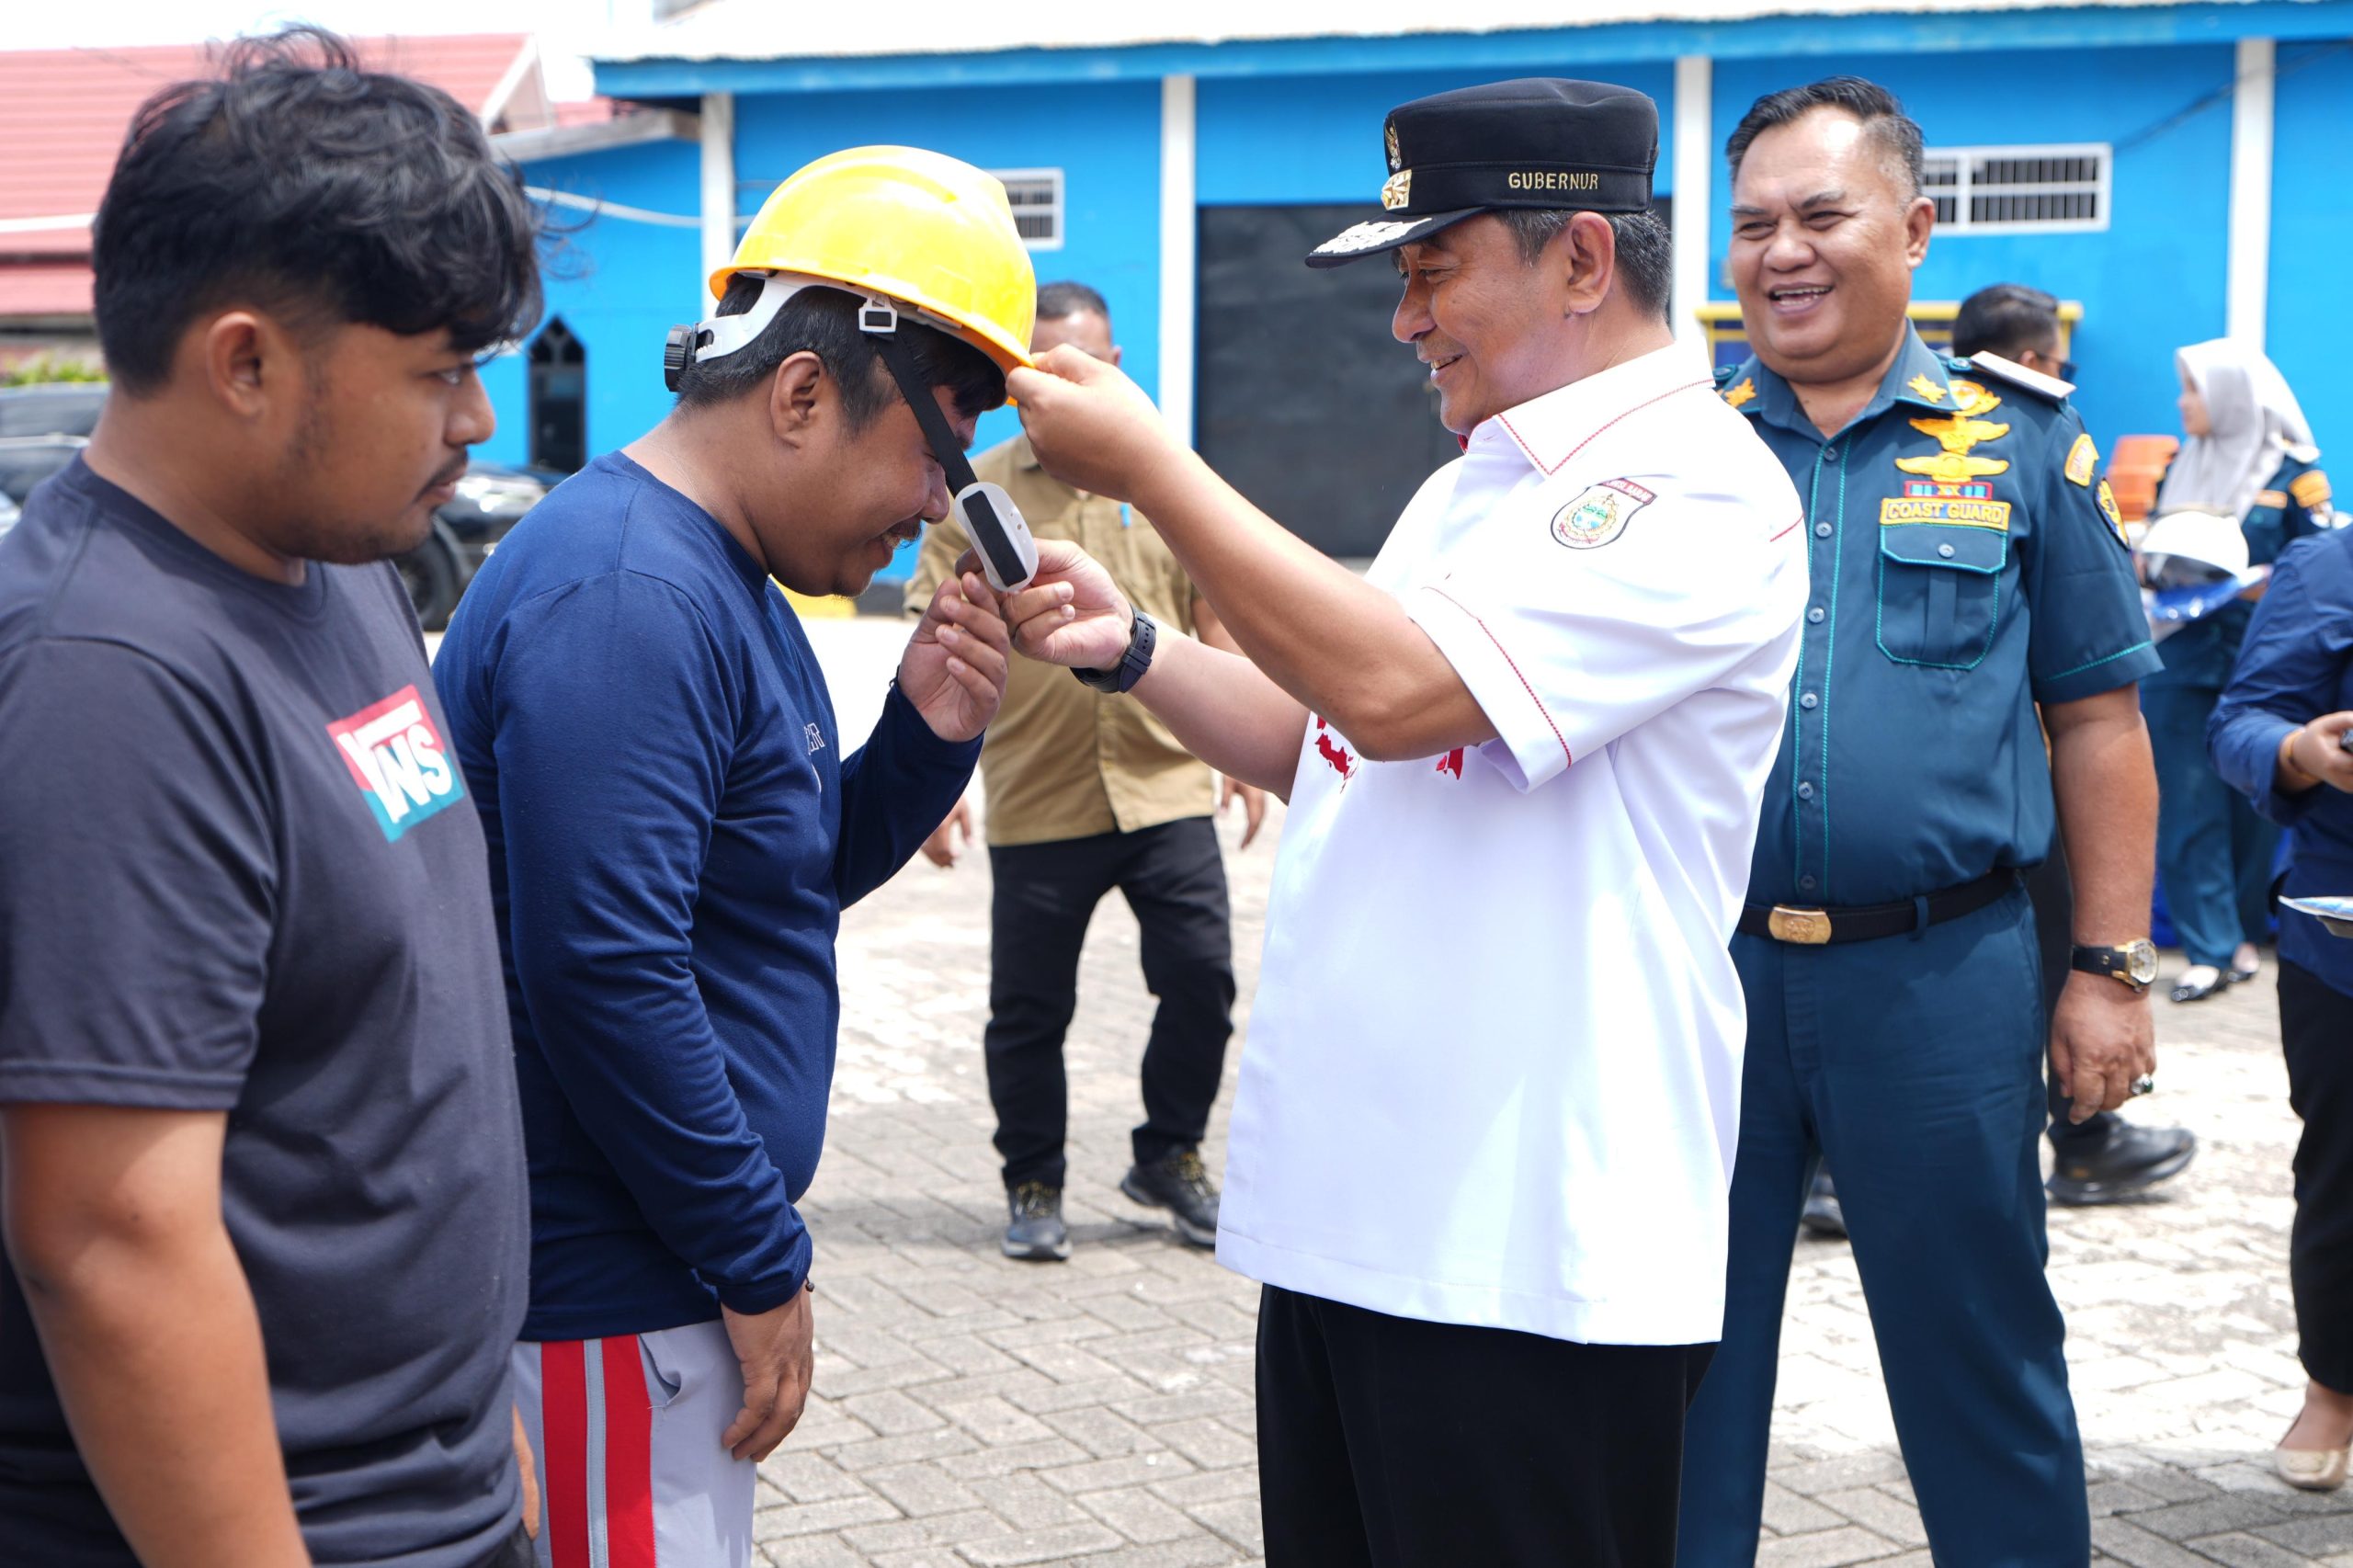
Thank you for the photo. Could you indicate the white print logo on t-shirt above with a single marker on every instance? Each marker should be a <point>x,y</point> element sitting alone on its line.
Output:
<point>399,760</point>
<point>1598,515</point>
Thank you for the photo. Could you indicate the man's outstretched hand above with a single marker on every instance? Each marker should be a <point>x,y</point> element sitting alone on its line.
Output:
<point>1092,428</point>
<point>953,670</point>
<point>1071,614</point>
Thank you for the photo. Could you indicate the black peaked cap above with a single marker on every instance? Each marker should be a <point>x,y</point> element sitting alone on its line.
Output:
<point>1540,141</point>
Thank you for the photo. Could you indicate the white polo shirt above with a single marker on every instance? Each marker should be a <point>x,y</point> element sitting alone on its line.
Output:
<point>1493,1074</point>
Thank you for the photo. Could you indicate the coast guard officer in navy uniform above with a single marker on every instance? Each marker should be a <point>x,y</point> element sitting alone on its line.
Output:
<point>1966,567</point>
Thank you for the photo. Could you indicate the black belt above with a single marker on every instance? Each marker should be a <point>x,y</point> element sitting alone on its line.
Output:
<point>1868,921</point>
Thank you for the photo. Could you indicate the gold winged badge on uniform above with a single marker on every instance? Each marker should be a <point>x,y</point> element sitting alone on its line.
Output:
<point>1950,485</point>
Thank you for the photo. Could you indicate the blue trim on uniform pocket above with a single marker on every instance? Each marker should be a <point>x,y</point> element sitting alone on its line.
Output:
<point>1948,584</point>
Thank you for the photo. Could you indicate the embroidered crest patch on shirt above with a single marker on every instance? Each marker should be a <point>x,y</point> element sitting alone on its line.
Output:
<point>1600,514</point>
<point>2082,458</point>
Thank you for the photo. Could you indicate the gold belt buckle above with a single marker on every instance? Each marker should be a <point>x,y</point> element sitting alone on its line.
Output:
<point>1807,927</point>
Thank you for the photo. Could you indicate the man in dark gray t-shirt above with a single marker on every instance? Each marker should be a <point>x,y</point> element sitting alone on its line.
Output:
<point>261,1165</point>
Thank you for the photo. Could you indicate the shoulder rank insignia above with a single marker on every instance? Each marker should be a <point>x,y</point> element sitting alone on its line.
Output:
<point>1957,433</point>
<point>1741,394</point>
<point>1969,400</point>
<point>2311,488</point>
<point>1925,387</point>
<point>2272,498</point>
<point>2082,458</point>
<point>2115,518</point>
<point>2002,369</point>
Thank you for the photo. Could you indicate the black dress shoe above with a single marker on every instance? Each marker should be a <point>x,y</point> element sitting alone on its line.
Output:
<point>1822,1215</point>
<point>2131,1159</point>
<point>2239,976</point>
<point>1181,1185</point>
<point>1036,1232</point>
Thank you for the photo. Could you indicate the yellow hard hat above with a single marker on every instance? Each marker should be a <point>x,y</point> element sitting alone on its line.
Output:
<point>922,229</point>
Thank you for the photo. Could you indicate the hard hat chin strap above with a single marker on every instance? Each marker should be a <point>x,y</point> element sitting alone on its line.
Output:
<point>1008,555</point>
<point>879,319</point>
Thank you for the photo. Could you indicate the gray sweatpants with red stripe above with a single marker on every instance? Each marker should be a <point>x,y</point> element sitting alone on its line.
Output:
<point>625,1433</point>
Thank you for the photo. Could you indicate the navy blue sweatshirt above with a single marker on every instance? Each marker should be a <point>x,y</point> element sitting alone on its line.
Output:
<point>2296,666</point>
<point>673,834</point>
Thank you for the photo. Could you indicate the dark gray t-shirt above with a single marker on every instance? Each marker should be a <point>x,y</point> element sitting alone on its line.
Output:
<point>238,872</point>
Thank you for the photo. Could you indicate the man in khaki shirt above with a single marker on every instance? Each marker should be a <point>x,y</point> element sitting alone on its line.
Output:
<point>1088,792</point>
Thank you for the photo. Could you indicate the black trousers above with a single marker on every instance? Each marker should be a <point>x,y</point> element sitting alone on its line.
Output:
<point>1385,1442</point>
<point>1174,878</point>
<point>2316,1036</point>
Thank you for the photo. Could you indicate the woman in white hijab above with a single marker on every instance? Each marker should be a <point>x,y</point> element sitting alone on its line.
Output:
<point>2249,457</point>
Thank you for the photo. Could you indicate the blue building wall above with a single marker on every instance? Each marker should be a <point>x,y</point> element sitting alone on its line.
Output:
<point>1313,139</point>
<point>2311,238</point>
<point>2152,281</point>
<point>1305,129</point>
<point>619,285</point>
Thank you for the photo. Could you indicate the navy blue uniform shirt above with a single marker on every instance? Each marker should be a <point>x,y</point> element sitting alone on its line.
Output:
<point>1966,565</point>
<point>2297,666</point>
<point>2200,653</point>
<point>673,833</point>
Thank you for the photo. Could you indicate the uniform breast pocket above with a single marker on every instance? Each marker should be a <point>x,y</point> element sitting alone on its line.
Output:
<point>1939,592</point>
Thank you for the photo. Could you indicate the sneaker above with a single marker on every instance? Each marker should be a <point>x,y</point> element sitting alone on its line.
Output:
<point>2130,1160</point>
<point>1822,1214</point>
<point>1036,1232</point>
<point>1180,1185</point>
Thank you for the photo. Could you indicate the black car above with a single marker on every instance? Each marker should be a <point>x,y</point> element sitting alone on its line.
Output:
<point>51,408</point>
<point>25,460</point>
<point>43,427</point>
<point>491,499</point>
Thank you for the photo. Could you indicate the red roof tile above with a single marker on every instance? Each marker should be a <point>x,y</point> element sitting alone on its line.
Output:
<point>63,112</point>
<point>45,288</point>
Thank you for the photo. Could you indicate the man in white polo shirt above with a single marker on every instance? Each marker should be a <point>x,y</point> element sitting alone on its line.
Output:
<point>1488,1105</point>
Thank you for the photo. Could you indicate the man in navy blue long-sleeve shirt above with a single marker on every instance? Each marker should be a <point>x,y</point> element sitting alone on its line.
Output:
<point>673,832</point>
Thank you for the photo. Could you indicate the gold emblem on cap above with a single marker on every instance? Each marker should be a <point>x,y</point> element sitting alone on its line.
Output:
<point>1396,158</point>
<point>1397,191</point>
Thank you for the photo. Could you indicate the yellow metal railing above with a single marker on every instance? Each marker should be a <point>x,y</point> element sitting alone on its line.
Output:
<point>1728,339</point>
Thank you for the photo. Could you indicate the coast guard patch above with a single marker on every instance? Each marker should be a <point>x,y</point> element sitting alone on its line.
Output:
<point>1600,514</point>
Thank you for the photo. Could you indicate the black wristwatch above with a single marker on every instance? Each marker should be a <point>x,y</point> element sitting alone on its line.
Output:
<point>1123,676</point>
<point>2134,963</point>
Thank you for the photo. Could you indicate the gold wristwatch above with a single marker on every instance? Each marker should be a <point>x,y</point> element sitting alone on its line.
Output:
<point>2133,964</point>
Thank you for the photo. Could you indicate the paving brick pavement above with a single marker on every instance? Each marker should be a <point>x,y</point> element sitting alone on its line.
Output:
<point>971,1412</point>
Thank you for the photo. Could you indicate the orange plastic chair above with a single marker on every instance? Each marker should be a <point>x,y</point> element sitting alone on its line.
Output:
<point>2134,470</point>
